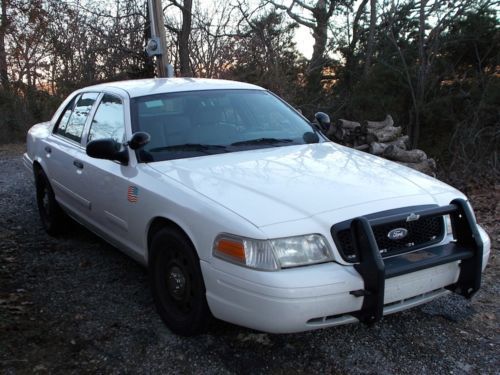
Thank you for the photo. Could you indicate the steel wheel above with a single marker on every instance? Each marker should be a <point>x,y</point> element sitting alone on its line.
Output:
<point>177,283</point>
<point>51,214</point>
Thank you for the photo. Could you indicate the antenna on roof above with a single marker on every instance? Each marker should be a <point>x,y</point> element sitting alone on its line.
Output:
<point>156,44</point>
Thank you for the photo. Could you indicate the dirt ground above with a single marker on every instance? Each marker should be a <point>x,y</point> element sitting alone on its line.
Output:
<point>75,304</point>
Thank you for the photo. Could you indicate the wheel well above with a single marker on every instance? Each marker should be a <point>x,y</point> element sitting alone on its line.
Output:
<point>161,222</point>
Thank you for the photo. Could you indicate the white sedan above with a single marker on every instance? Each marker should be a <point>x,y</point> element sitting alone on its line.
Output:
<point>241,209</point>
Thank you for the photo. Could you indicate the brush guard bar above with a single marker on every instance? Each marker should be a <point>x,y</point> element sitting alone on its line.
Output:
<point>467,247</point>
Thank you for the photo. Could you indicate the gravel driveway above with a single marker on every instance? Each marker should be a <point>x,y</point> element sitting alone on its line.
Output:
<point>75,304</point>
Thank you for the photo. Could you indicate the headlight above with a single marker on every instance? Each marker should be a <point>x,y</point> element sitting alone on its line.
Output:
<point>275,253</point>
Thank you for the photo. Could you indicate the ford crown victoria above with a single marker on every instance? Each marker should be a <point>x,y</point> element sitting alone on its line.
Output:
<point>242,210</point>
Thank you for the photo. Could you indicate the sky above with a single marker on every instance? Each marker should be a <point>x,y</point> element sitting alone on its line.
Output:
<point>304,41</point>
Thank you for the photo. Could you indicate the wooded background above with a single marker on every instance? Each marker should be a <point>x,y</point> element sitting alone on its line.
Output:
<point>432,64</point>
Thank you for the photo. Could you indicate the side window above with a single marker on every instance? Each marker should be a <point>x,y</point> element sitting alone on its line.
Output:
<point>109,120</point>
<point>73,119</point>
<point>63,120</point>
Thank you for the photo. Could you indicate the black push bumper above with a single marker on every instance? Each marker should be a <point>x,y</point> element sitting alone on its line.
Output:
<point>374,270</point>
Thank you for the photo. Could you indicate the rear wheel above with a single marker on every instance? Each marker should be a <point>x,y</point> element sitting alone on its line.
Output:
<point>177,283</point>
<point>52,216</point>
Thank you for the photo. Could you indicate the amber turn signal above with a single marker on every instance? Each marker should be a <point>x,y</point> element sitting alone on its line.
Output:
<point>231,248</point>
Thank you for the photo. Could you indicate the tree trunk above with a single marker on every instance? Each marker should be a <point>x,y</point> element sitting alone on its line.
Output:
<point>377,148</point>
<point>371,35</point>
<point>427,166</point>
<point>346,124</point>
<point>320,35</point>
<point>4,78</point>
<point>350,63</point>
<point>388,121</point>
<point>322,11</point>
<point>185,65</point>
<point>335,133</point>
<point>413,156</point>
<point>387,134</point>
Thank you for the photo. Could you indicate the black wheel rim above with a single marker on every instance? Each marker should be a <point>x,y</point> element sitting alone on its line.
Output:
<point>45,200</point>
<point>176,284</point>
<point>44,203</point>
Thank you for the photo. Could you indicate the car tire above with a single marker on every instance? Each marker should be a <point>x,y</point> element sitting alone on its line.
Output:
<point>177,283</point>
<point>51,214</point>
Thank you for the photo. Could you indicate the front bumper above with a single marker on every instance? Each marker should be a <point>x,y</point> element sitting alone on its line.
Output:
<point>313,297</point>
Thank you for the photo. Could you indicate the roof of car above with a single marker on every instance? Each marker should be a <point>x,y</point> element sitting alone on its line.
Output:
<point>151,86</point>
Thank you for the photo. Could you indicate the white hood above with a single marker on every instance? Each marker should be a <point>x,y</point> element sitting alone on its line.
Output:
<point>273,185</point>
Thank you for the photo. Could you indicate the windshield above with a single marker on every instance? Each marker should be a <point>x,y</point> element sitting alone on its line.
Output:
<point>195,123</point>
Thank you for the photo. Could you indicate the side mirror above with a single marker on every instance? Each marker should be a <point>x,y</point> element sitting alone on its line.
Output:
<point>138,140</point>
<point>322,121</point>
<point>107,149</point>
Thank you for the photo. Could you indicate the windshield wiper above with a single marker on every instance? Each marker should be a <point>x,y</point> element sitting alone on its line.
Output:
<point>262,141</point>
<point>190,147</point>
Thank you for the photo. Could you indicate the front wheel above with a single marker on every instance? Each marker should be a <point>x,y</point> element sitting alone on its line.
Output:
<point>51,214</point>
<point>177,283</point>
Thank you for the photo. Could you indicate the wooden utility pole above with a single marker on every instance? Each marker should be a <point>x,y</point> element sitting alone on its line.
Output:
<point>156,45</point>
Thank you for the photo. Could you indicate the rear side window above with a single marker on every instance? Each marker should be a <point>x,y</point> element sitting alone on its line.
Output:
<point>73,119</point>
<point>63,120</point>
<point>108,120</point>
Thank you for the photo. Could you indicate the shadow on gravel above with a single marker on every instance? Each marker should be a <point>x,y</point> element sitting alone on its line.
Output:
<point>76,304</point>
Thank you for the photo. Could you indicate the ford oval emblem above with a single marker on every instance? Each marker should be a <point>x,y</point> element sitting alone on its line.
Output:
<point>397,234</point>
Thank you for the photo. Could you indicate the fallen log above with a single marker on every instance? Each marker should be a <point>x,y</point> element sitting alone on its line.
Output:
<point>427,166</point>
<point>362,147</point>
<point>377,148</point>
<point>387,122</point>
<point>380,138</point>
<point>364,139</point>
<point>393,152</point>
<point>349,139</point>
<point>346,124</point>
<point>371,138</point>
<point>402,142</point>
<point>335,133</point>
<point>387,134</point>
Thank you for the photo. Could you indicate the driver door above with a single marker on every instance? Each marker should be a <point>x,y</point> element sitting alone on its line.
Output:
<point>111,192</point>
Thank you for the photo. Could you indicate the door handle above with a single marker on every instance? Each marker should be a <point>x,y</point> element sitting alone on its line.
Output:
<point>78,164</point>
<point>48,150</point>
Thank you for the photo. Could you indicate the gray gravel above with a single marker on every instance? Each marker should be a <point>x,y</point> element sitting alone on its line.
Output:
<point>75,304</point>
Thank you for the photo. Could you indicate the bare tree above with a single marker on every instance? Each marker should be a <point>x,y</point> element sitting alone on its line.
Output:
<point>4,78</point>
<point>319,14</point>
<point>213,39</point>
<point>27,42</point>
